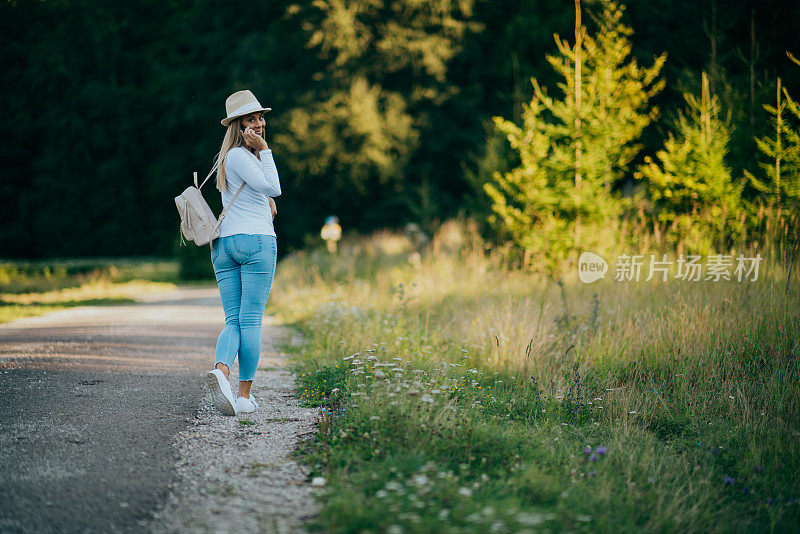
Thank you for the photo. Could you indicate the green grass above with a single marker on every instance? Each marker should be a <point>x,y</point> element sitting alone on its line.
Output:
<point>34,288</point>
<point>460,396</point>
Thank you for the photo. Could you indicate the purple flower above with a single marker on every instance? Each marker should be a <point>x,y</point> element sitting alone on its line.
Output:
<point>593,458</point>
<point>602,450</point>
<point>728,480</point>
<point>592,473</point>
<point>746,490</point>
<point>716,450</point>
<point>587,450</point>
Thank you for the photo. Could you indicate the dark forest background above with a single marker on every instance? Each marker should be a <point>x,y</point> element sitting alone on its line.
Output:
<point>381,109</point>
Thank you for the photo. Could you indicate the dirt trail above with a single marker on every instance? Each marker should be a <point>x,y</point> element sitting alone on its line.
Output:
<point>234,474</point>
<point>106,425</point>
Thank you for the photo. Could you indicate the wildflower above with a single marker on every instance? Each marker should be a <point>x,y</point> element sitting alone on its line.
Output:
<point>466,492</point>
<point>728,480</point>
<point>770,502</point>
<point>529,520</point>
<point>587,450</point>
<point>715,451</point>
<point>601,450</point>
<point>420,480</point>
<point>592,473</point>
<point>745,490</point>
<point>593,458</point>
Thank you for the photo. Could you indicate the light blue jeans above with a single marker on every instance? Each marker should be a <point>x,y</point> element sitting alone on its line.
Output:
<point>244,266</point>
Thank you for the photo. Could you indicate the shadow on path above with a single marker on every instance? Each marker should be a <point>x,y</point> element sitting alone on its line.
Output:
<point>90,400</point>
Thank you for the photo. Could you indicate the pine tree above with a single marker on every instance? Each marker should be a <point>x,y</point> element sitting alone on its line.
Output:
<point>574,149</point>
<point>528,203</point>
<point>693,193</point>
<point>782,147</point>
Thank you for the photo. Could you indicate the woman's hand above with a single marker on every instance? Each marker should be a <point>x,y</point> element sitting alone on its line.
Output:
<point>254,140</point>
<point>272,206</point>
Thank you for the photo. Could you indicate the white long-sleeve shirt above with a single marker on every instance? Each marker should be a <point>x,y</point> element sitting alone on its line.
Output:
<point>250,214</point>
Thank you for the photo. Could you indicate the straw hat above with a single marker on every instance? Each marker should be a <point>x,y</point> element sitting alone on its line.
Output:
<point>239,104</point>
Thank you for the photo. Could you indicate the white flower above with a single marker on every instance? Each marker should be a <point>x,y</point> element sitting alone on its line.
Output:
<point>466,492</point>
<point>529,520</point>
<point>318,481</point>
<point>420,480</point>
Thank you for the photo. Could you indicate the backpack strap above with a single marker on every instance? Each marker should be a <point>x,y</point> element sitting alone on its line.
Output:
<point>222,215</point>
<point>216,164</point>
<point>225,211</point>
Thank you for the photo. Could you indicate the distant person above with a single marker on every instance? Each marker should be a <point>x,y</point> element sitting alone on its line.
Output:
<point>331,232</point>
<point>245,254</point>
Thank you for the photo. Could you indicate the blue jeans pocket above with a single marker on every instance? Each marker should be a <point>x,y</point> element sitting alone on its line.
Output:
<point>248,245</point>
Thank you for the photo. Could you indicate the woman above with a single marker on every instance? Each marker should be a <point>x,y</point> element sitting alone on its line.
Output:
<point>244,256</point>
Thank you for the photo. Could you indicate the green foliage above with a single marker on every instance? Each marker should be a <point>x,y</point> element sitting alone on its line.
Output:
<point>379,107</point>
<point>358,127</point>
<point>782,148</point>
<point>680,392</point>
<point>573,151</point>
<point>194,262</point>
<point>691,181</point>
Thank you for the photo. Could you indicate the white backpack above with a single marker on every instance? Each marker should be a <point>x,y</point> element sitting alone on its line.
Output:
<point>198,223</point>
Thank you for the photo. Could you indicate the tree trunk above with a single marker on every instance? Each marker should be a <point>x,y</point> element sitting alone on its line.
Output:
<point>578,147</point>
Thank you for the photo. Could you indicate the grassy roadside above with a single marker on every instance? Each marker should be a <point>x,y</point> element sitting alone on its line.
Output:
<point>35,288</point>
<point>461,397</point>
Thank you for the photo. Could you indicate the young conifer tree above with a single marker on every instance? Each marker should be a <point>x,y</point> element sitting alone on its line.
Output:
<point>693,194</point>
<point>781,184</point>
<point>574,148</point>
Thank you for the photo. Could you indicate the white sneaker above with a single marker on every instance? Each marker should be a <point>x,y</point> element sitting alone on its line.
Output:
<point>221,392</point>
<point>245,405</point>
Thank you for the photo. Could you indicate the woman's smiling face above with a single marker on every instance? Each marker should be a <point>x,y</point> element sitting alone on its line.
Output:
<point>256,122</point>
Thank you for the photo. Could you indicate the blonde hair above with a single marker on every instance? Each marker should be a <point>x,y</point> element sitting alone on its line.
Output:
<point>233,138</point>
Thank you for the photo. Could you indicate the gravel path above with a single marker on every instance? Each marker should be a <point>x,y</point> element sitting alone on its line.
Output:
<point>235,473</point>
<point>106,425</point>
